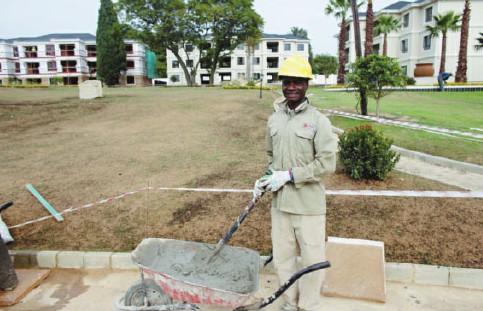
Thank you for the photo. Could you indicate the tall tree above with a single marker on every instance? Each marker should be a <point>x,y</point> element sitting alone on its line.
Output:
<point>325,65</point>
<point>161,24</point>
<point>228,23</point>
<point>339,9</point>
<point>111,53</point>
<point>443,23</point>
<point>463,52</point>
<point>369,29</point>
<point>386,24</point>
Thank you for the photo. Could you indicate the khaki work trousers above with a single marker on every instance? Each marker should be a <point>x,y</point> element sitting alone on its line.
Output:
<point>308,232</point>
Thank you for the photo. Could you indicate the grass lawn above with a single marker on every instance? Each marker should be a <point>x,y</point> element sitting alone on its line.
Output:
<point>76,152</point>
<point>452,110</point>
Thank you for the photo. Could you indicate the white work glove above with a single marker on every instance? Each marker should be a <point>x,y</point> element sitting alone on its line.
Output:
<point>275,181</point>
<point>257,189</point>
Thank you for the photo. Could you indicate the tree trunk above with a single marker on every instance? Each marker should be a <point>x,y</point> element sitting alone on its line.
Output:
<point>384,45</point>
<point>181,62</point>
<point>357,28</point>
<point>369,29</point>
<point>342,56</point>
<point>443,54</point>
<point>463,52</point>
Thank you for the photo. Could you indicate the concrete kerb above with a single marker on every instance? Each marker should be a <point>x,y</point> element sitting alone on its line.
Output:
<point>394,272</point>
<point>435,160</point>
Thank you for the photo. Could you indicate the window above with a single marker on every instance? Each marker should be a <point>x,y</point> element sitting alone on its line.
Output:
<point>272,62</point>
<point>91,51</point>
<point>50,50</point>
<point>287,47</point>
<point>257,47</point>
<point>15,51</point>
<point>404,70</point>
<point>174,78</point>
<point>33,68</point>
<point>52,65</point>
<point>240,47</point>
<point>375,49</point>
<point>346,56</point>
<point>188,47</point>
<point>0,68</point>
<point>348,30</point>
<point>174,64</point>
<point>240,60</point>
<point>272,47</point>
<point>256,76</point>
<point>92,67</point>
<point>300,47</point>
<point>256,61</point>
<point>427,42</point>
<point>225,76</point>
<point>17,67</point>
<point>68,65</point>
<point>405,20</point>
<point>225,62</point>
<point>189,63</point>
<point>30,51</point>
<point>129,49</point>
<point>67,50</point>
<point>241,76</point>
<point>428,14</point>
<point>404,46</point>
<point>130,80</point>
<point>130,64</point>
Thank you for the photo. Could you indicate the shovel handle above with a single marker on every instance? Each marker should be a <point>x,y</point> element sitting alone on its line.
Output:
<point>285,286</point>
<point>235,226</point>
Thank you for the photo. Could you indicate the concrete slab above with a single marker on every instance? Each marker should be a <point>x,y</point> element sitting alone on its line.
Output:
<point>357,269</point>
<point>28,280</point>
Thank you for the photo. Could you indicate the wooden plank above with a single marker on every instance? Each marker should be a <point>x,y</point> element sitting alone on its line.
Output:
<point>28,280</point>
<point>44,202</point>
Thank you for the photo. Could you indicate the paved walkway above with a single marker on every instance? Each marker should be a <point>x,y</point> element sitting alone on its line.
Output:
<point>74,290</point>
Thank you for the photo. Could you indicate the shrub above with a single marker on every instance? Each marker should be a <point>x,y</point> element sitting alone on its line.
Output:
<point>410,81</point>
<point>364,153</point>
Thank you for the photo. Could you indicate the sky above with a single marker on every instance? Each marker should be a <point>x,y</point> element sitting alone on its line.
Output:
<point>33,18</point>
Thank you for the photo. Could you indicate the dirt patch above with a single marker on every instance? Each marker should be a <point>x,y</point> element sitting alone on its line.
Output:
<point>80,152</point>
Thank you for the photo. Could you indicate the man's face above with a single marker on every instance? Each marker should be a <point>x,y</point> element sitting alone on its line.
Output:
<point>294,90</point>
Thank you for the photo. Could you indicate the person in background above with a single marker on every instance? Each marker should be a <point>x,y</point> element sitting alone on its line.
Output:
<point>442,78</point>
<point>301,152</point>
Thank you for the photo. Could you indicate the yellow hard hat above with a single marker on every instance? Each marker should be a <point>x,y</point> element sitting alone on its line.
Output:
<point>296,66</point>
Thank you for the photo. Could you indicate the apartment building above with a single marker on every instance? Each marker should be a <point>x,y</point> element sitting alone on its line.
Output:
<point>66,58</point>
<point>264,63</point>
<point>418,52</point>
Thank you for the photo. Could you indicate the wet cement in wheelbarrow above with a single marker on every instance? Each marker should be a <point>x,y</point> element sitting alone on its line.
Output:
<point>234,269</point>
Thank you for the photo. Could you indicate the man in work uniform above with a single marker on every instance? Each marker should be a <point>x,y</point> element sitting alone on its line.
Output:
<point>301,153</point>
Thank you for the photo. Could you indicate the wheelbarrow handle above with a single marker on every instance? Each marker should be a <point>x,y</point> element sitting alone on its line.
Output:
<point>285,286</point>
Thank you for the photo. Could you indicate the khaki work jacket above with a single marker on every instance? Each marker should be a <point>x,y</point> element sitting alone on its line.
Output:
<point>301,140</point>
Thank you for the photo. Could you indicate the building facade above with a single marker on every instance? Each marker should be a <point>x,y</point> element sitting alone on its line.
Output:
<point>418,52</point>
<point>63,59</point>
<point>240,66</point>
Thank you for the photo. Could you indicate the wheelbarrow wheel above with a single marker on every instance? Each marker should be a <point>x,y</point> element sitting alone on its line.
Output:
<point>154,294</point>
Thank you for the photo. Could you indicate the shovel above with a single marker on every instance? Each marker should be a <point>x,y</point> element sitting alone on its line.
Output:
<point>234,227</point>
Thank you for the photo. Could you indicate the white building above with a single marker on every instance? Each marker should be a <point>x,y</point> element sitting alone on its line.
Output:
<point>70,57</point>
<point>419,53</point>
<point>265,63</point>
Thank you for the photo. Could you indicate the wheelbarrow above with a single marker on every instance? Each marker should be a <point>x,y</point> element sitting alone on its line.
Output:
<point>177,272</point>
<point>199,273</point>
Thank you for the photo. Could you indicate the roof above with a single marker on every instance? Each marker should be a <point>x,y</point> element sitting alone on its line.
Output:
<point>397,5</point>
<point>287,36</point>
<point>53,36</point>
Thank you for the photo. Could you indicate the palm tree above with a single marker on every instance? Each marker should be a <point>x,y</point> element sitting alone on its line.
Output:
<point>369,29</point>
<point>339,9</point>
<point>384,25</point>
<point>443,23</point>
<point>479,46</point>
<point>462,56</point>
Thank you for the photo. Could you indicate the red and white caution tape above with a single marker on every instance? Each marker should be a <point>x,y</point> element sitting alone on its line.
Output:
<point>386,193</point>
<point>407,124</point>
